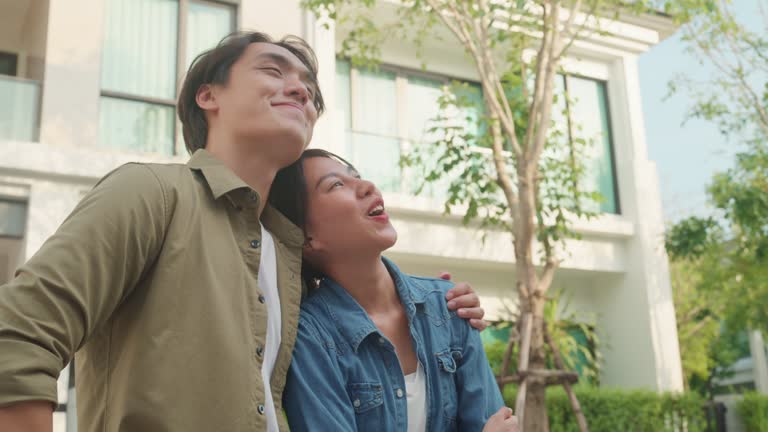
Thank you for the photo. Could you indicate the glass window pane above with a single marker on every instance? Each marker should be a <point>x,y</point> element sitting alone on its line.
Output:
<point>8,62</point>
<point>422,107</point>
<point>136,126</point>
<point>207,24</point>
<point>13,218</point>
<point>377,159</point>
<point>19,110</point>
<point>342,93</point>
<point>591,122</point>
<point>375,103</point>
<point>139,55</point>
<point>473,93</point>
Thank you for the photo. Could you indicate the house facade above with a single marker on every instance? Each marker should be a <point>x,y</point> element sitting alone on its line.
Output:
<point>88,85</point>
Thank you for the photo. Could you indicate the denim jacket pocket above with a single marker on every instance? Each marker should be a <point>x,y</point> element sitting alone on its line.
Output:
<point>368,402</point>
<point>448,362</point>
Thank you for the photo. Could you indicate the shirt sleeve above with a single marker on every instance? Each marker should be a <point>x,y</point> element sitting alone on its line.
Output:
<point>479,395</point>
<point>315,397</point>
<point>73,284</point>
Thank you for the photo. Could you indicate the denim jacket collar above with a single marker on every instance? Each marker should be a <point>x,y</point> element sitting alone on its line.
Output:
<point>352,320</point>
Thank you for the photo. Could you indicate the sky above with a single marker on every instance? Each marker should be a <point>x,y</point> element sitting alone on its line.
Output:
<point>686,155</point>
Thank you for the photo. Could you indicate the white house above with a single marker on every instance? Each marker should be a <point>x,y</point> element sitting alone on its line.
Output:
<point>87,85</point>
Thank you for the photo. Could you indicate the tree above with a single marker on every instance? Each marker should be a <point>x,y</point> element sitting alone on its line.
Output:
<point>736,97</point>
<point>529,185</point>
<point>708,346</point>
<point>730,247</point>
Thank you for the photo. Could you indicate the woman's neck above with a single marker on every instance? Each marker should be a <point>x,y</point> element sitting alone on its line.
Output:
<point>368,281</point>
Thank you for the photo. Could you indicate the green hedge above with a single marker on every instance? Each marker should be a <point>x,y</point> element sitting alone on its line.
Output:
<point>609,410</point>
<point>753,409</point>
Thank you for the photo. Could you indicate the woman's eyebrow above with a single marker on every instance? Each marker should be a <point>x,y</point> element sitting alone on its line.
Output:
<point>323,178</point>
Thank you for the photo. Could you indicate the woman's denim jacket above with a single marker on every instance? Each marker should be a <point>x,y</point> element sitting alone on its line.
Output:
<point>345,375</point>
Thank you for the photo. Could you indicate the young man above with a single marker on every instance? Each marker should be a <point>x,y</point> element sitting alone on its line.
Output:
<point>166,279</point>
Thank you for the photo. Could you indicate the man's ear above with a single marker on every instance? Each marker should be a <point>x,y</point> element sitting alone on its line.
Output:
<point>206,98</point>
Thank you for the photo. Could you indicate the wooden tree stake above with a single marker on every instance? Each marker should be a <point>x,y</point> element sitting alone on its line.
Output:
<point>566,385</point>
<point>525,349</point>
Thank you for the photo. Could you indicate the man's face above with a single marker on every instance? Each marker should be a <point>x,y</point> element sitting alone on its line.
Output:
<point>269,99</point>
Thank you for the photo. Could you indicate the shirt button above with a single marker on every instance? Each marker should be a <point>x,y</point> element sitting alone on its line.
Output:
<point>259,350</point>
<point>262,299</point>
<point>261,409</point>
<point>399,393</point>
<point>382,341</point>
<point>255,244</point>
<point>356,403</point>
<point>253,196</point>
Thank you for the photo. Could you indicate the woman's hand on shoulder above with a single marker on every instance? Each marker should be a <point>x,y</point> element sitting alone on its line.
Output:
<point>462,299</point>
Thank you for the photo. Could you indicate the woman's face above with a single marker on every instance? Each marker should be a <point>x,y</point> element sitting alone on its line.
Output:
<point>345,214</point>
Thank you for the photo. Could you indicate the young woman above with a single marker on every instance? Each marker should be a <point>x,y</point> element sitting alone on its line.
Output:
<point>377,350</point>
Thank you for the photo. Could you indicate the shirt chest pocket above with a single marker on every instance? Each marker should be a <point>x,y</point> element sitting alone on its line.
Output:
<point>368,402</point>
<point>448,361</point>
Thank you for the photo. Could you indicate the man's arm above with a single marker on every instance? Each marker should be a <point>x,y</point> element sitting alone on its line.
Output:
<point>30,416</point>
<point>74,283</point>
<point>479,396</point>
<point>462,299</point>
<point>315,396</point>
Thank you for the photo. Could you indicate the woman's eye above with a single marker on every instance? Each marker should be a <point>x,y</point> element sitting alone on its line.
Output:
<point>273,70</point>
<point>336,184</point>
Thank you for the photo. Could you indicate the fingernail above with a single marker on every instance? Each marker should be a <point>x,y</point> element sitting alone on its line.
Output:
<point>449,296</point>
<point>451,304</point>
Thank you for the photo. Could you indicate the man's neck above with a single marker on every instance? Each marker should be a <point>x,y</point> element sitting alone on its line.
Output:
<point>368,281</point>
<point>256,169</point>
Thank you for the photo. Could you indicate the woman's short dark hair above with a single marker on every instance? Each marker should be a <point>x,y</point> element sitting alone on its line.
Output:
<point>288,195</point>
<point>213,67</point>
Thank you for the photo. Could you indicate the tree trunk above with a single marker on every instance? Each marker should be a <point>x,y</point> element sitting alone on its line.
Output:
<point>536,419</point>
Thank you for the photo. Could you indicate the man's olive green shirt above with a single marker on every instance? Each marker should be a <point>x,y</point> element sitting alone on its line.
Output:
<point>152,280</point>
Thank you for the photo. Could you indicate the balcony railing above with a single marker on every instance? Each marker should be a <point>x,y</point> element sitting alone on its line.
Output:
<point>19,109</point>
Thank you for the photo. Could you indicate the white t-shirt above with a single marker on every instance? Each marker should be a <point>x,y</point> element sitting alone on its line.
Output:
<point>416,399</point>
<point>268,288</point>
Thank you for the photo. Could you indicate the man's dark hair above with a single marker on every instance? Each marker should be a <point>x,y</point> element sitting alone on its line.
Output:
<point>213,66</point>
<point>288,195</point>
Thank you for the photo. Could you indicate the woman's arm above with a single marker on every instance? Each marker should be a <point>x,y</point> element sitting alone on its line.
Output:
<point>315,396</point>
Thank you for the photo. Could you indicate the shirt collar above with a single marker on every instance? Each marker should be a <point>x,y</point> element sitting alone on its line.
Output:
<point>282,227</point>
<point>219,177</point>
<point>352,320</point>
<point>221,180</point>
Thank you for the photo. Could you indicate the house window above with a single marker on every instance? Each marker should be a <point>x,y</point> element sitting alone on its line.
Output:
<point>385,112</point>
<point>13,218</point>
<point>8,63</point>
<point>590,121</point>
<point>148,46</point>
<point>388,110</point>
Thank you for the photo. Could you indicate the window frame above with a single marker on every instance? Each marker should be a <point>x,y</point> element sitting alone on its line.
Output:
<point>181,43</point>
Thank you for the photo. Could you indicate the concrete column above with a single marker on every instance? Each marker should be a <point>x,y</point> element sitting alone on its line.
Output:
<point>639,312</point>
<point>71,88</point>
<point>759,362</point>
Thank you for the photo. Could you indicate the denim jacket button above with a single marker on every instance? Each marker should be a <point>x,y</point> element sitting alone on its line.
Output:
<point>356,403</point>
<point>382,341</point>
<point>399,393</point>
